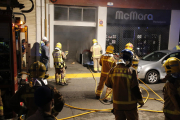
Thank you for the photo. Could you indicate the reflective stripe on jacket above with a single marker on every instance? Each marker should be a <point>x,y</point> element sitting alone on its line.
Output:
<point>172,97</point>
<point>177,47</point>
<point>107,62</point>
<point>135,61</point>
<point>40,46</point>
<point>126,91</point>
<point>1,105</point>
<point>58,59</point>
<point>96,51</point>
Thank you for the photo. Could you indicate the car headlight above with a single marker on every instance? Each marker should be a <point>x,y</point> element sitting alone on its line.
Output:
<point>139,69</point>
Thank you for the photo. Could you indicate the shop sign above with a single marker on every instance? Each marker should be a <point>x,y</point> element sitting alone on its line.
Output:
<point>138,16</point>
<point>100,23</point>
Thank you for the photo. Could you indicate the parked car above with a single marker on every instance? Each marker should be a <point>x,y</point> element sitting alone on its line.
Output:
<point>150,67</point>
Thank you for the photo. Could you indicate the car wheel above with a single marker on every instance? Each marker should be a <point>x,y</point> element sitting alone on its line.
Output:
<point>152,77</point>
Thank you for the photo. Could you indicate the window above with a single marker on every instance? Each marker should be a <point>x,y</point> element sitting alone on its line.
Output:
<point>75,14</point>
<point>60,13</point>
<point>68,13</point>
<point>177,55</point>
<point>89,15</point>
<point>154,56</point>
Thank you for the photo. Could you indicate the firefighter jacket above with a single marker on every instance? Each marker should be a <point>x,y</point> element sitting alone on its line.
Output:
<point>40,46</point>
<point>26,95</point>
<point>171,92</point>
<point>58,56</point>
<point>177,47</point>
<point>1,108</point>
<point>96,51</point>
<point>126,92</point>
<point>107,62</point>
<point>135,61</point>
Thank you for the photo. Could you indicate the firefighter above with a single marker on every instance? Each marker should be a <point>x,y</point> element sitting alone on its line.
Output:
<point>177,47</point>
<point>1,108</point>
<point>171,89</point>
<point>126,92</point>
<point>42,43</point>
<point>26,93</point>
<point>107,62</point>
<point>59,64</point>
<point>96,55</point>
<point>135,61</point>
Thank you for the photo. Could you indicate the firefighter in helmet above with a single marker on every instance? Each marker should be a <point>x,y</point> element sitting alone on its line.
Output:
<point>135,61</point>
<point>59,64</point>
<point>42,43</point>
<point>171,89</point>
<point>126,92</point>
<point>26,93</point>
<point>96,55</point>
<point>107,62</point>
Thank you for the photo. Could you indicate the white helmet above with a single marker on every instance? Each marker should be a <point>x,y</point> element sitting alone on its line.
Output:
<point>44,38</point>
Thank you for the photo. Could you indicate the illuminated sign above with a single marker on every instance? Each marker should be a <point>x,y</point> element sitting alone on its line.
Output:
<point>133,16</point>
<point>138,16</point>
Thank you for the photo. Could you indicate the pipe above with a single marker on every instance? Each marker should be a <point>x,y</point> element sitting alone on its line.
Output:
<point>21,14</point>
<point>31,9</point>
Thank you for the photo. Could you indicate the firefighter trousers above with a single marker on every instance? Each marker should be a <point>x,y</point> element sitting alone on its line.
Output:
<point>101,86</point>
<point>60,75</point>
<point>96,64</point>
<point>129,115</point>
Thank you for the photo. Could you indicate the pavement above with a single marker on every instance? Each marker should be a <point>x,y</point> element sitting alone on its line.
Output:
<point>81,93</point>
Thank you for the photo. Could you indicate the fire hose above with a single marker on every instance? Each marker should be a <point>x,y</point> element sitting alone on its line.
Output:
<point>109,109</point>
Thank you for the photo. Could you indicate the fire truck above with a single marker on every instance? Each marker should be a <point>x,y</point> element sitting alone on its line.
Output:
<point>13,52</point>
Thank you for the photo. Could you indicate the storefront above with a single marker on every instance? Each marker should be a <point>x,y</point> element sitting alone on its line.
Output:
<point>148,30</point>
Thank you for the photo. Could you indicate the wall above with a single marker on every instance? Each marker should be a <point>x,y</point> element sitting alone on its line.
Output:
<point>174,29</point>
<point>101,30</point>
<point>139,4</point>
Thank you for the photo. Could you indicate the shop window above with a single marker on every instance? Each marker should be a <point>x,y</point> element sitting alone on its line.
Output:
<point>75,14</point>
<point>89,15</point>
<point>60,13</point>
<point>128,34</point>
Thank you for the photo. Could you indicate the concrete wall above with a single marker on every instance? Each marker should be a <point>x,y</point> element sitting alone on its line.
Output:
<point>174,29</point>
<point>101,30</point>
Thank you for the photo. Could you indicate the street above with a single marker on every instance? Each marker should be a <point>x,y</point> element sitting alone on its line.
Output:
<point>81,93</point>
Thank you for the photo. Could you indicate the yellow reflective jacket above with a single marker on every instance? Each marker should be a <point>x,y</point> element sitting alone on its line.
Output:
<point>177,47</point>
<point>96,51</point>
<point>40,46</point>
<point>58,56</point>
<point>107,62</point>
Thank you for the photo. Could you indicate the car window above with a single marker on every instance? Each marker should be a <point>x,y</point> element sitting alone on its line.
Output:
<point>154,56</point>
<point>177,55</point>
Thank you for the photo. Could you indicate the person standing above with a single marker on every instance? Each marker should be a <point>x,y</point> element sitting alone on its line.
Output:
<point>126,92</point>
<point>45,54</point>
<point>107,62</point>
<point>96,55</point>
<point>26,93</point>
<point>177,47</point>
<point>59,64</point>
<point>135,61</point>
<point>171,89</point>
<point>43,97</point>
<point>42,43</point>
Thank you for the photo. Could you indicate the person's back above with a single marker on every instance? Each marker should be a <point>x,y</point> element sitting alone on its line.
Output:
<point>107,61</point>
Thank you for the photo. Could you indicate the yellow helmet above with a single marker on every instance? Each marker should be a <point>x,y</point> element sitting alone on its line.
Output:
<point>172,65</point>
<point>37,70</point>
<point>110,49</point>
<point>59,45</point>
<point>129,46</point>
<point>94,41</point>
